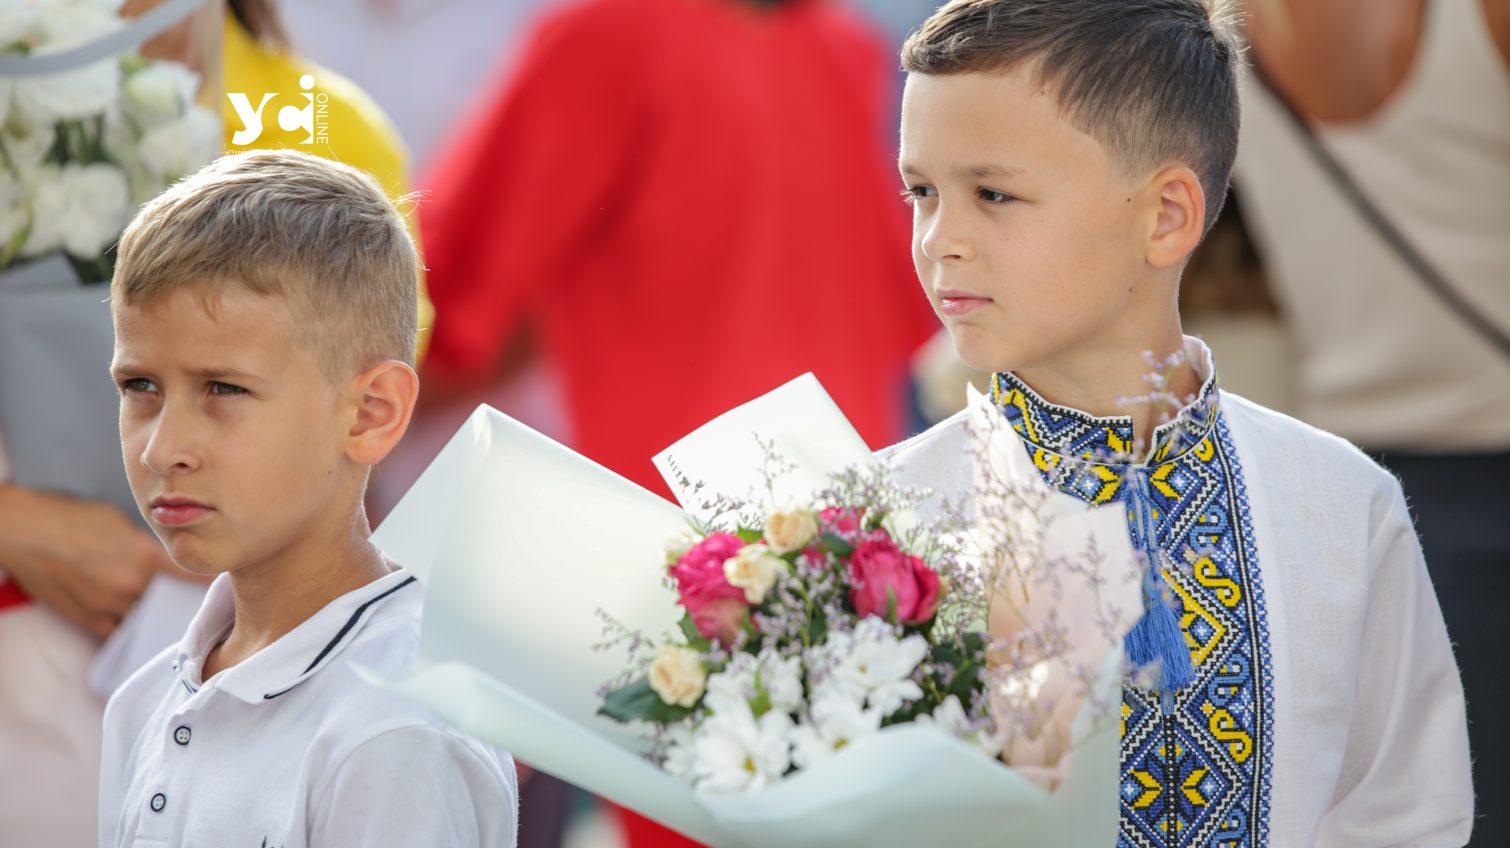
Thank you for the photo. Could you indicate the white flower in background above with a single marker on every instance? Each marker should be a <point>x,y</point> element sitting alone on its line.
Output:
<point>119,145</point>
<point>160,92</point>
<point>872,666</point>
<point>76,93</point>
<point>181,146</point>
<point>789,531</point>
<point>754,569</point>
<point>742,682</point>
<point>836,722</point>
<point>677,676</point>
<point>58,24</point>
<point>80,208</point>
<point>951,718</point>
<point>13,215</point>
<point>26,148</point>
<point>735,751</point>
<point>15,22</point>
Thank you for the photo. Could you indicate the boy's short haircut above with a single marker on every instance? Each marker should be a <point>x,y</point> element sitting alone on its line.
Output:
<point>321,235</point>
<point>1154,81</point>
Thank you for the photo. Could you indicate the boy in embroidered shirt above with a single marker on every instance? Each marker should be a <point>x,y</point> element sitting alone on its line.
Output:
<point>1064,157</point>
<point>265,327</point>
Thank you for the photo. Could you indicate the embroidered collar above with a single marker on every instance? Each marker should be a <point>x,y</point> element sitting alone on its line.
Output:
<point>1069,433</point>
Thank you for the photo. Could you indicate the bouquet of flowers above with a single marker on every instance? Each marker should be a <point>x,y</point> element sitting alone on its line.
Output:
<point>82,147</point>
<point>824,677</point>
<point>803,635</point>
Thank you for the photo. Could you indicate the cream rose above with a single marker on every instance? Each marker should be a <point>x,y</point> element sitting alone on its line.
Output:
<point>791,531</point>
<point>678,676</point>
<point>754,569</point>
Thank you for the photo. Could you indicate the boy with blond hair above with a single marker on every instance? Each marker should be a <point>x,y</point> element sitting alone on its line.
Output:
<point>1064,157</point>
<point>265,330</point>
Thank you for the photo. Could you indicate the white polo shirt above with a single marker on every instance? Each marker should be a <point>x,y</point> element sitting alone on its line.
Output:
<point>290,748</point>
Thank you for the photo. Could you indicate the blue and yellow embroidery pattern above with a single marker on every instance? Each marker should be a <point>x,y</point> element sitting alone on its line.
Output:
<point>1196,775</point>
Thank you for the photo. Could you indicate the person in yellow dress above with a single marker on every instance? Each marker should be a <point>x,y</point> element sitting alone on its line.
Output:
<point>83,564</point>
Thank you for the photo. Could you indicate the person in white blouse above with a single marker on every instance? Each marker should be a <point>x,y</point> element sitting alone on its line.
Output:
<point>1064,157</point>
<point>1374,177</point>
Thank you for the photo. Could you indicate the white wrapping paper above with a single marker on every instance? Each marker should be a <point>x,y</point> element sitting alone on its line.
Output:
<point>521,541</point>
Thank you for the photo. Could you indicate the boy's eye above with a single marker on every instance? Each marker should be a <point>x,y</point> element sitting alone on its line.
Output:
<point>219,388</point>
<point>995,197</point>
<point>912,194</point>
<point>137,384</point>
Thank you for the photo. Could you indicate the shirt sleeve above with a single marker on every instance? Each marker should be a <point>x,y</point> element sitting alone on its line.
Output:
<point>1405,778</point>
<point>418,786</point>
<point>533,181</point>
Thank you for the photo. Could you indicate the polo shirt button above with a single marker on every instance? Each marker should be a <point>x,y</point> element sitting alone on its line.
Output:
<point>158,802</point>
<point>181,735</point>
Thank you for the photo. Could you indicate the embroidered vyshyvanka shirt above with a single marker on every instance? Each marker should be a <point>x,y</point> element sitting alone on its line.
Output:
<point>1326,707</point>
<point>1194,772</point>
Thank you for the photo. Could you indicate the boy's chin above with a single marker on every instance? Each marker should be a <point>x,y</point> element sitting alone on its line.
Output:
<point>193,556</point>
<point>981,353</point>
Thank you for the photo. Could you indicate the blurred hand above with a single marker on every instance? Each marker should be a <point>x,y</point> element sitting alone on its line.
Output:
<point>83,559</point>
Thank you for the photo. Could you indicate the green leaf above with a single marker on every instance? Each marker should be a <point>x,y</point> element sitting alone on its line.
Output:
<point>966,681</point>
<point>817,627</point>
<point>695,640</point>
<point>749,536</point>
<point>835,544</point>
<point>638,702</point>
<point>891,604</point>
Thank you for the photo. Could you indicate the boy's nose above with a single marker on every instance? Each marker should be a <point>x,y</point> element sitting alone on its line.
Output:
<point>942,239</point>
<point>169,449</point>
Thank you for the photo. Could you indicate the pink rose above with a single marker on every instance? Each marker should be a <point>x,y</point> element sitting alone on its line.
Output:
<point>880,571</point>
<point>841,519</point>
<point>718,608</point>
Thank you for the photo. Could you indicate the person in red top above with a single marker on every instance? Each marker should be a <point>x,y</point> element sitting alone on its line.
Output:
<point>686,203</point>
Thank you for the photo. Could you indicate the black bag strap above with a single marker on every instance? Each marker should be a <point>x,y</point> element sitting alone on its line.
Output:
<point>1434,280</point>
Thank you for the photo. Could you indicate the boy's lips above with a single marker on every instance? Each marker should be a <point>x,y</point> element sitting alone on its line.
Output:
<point>179,512</point>
<point>956,303</point>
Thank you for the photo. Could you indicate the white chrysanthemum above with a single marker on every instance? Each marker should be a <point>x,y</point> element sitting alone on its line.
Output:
<point>872,666</point>
<point>80,208</point>
<point>741,682</point>
<point>836,722</point>
<point>951,718</point>
<point>680,751</point>
<point>736,752</point>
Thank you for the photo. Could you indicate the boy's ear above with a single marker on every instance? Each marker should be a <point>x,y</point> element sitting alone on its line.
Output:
<point>383,398</point>
<point>1180,220</point>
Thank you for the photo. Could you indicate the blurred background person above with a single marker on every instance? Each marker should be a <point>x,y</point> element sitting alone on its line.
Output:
<point>683,203</point>
<point>679,205</point>
<point>71,569</point>
<point>1374,173</point>
<point>423,62</point>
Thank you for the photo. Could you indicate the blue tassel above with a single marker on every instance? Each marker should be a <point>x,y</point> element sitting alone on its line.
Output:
<point>1157,636</point>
